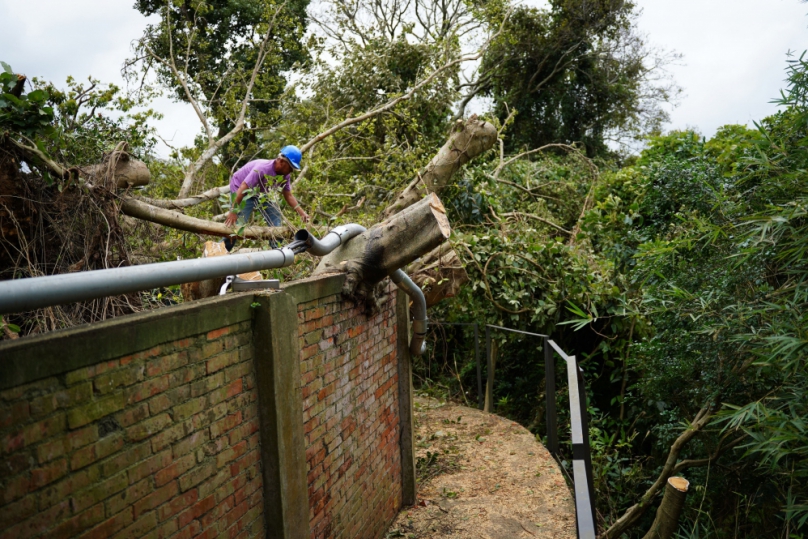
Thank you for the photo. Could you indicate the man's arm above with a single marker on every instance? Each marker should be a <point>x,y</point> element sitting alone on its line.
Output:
<point>232,216</point>
<point>295,205</point>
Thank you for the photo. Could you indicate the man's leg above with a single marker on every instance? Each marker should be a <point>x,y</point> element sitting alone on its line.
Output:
<point>273,217</point>
<point>243,218</point>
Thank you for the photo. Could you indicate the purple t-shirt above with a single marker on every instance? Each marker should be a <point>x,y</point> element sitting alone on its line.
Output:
<point>257,173</point>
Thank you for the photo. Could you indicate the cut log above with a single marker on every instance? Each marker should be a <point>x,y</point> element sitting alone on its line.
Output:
<point>129,172</point>
<point>439,274</point>
<point>468,140</point>
<point>388,246</point>
<point>667,518</point>
<point>139,209</point>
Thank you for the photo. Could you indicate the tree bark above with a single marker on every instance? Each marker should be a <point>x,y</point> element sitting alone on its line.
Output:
<point>139,209</point>
<point>468,140</point>
<point>634,512</point>
<point>388,246</point>
<point>439,273</point>
<point>129,172</point>
<point>667,518</point>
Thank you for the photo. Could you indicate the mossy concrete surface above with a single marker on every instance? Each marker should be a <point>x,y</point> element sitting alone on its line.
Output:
<point>33,358</point>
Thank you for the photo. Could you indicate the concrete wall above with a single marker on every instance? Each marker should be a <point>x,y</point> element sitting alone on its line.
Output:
<point>202,420</point>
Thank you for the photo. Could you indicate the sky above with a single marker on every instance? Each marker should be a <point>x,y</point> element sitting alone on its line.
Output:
<point>734,52</point>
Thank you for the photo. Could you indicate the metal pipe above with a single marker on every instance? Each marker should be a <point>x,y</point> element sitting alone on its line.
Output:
<point>330,241</point>
<point>20,295</point>
<point>420,321</point>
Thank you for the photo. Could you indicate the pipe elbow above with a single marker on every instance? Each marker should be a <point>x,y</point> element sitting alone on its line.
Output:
<point>420,322</point>
<point>335,237</point>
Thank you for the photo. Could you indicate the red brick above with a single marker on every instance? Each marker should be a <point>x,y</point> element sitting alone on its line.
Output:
<point>149,466</point>
<point>48,474</point>
<point>177,504</point>
<point>223,425</point>
<point>177,468</point>
<point>166,364</point>
<point>102,448</point>
<point>199,509</point>
<point>221,361</point>
<point>110,526</point>
<point>79,523</point>
<point>99,492</point>
<point>17,511</point>
<point>147,428</point>
<point>14,414</point>
<point>33,433</point>
<point>156,498</point>
<point>119,502</point>
<point>216,333</point>
<point>139,527</point>
<point>147,389</point>
<point>38,523</point>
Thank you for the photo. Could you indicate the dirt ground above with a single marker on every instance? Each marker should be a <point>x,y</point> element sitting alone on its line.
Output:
<point>481,476</point>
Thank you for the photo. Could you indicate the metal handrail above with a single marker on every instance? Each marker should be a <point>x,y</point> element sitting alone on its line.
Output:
<point>583,480</point>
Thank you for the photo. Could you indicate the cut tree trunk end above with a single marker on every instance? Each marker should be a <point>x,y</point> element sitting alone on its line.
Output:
<point>129,172</point>
<point>468,140</point>
<point>667,518</point>
<point>390,245</point>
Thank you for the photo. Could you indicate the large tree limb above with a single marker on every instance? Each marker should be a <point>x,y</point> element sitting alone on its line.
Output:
<point>632,515</point>
<point>177,204</point>
<point>439,273</point>
<point>468,140</point>
<point>139,209</point>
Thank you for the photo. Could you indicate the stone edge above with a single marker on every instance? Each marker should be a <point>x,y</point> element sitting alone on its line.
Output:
<point>30,359</point>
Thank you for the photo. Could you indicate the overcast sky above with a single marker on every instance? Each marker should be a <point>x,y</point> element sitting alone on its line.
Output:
<point>734,51</point>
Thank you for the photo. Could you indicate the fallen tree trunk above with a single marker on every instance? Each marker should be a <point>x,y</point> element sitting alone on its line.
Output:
<point>468,140</point>
<point>388,246</point>
<point>667,518</point>
<point>139,209</point>
<point>439,274</point>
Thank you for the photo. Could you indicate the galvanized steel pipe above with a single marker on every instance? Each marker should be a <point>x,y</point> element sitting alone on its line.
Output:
<point>420,321</point>
<point>20,295</point>
<point>330,241</point>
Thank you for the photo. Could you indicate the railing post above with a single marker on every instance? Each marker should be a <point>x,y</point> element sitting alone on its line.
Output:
<point>582,474</point>
<point>585,431</point>
<point>480,394</point>
<point>489,392</point>
<point>550,398</point>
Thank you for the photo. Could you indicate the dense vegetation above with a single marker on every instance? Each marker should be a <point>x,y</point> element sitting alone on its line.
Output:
<point>677,276</point>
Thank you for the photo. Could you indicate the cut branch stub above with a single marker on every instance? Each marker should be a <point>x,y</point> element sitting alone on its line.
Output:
<point>468,140</point>
<point>388,246</point>
<point>666,522</point>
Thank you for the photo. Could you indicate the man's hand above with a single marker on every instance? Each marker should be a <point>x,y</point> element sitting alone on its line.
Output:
<point>305,217</point>
<point>231,219</point>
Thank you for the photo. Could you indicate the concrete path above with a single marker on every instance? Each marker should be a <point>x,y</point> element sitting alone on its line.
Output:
<point>482,477</point>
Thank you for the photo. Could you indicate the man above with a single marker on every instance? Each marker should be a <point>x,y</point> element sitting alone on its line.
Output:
<point>261,173</point>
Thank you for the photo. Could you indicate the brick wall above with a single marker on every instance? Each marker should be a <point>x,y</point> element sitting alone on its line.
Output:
<point>349,381</point>
<point>162,443</point>
<point>271,415</point>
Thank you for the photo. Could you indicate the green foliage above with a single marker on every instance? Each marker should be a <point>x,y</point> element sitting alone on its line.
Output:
<point>576,72</point>
<point>27,113</point>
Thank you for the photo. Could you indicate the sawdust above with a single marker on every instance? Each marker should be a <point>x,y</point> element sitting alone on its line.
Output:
<point>482,476</point>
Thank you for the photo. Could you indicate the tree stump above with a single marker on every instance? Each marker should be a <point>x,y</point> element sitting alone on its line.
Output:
<point>667,517</point>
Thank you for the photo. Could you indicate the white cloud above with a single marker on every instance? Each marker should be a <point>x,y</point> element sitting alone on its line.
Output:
<point>52,39</point>
<point>734,51</point>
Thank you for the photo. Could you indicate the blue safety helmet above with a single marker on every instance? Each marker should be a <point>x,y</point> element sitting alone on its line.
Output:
<point>293,155</point>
